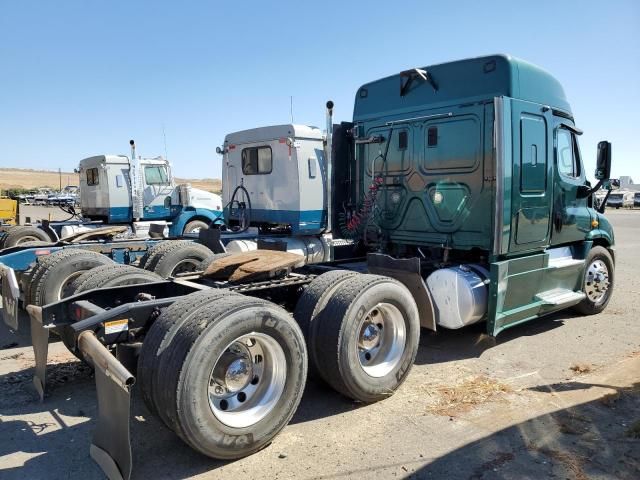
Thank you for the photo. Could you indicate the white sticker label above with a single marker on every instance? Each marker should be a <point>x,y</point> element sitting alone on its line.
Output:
<point>116,326</point>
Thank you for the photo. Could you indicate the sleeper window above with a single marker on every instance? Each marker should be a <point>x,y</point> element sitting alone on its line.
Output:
<point>92,176</point>
<point>256,161</point>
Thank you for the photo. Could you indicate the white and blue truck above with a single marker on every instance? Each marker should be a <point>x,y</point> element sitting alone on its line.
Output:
<point>123,191</point>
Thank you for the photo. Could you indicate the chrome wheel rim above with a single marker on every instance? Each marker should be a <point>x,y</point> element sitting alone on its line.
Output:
<point>247,380</point>
<point>597,281</point>
<point>381,340</point>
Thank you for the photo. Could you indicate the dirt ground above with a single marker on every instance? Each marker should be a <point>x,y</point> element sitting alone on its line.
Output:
<point>555,398</point>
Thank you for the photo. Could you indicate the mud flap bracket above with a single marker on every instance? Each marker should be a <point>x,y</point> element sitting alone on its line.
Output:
<point>111,444</point>
<point>40,344</point>
<point>407,272</point>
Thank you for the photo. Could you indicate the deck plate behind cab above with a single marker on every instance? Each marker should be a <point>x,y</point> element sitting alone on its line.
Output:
<point>254,265</point>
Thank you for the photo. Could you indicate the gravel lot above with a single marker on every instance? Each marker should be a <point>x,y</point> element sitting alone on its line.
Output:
<point>558,397</point>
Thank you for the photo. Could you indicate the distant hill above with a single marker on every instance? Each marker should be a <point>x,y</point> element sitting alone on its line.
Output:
<point>29,179</point>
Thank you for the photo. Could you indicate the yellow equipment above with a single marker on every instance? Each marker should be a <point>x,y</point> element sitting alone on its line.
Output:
<point>8,210</point>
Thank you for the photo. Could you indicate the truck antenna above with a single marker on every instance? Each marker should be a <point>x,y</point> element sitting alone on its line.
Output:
<point>164,136</point>
<point>291,107</point>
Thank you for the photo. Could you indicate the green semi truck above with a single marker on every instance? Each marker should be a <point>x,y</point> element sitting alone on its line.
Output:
<point>456,195</point>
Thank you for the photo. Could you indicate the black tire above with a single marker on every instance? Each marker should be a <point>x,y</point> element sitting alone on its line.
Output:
<point>188,339</point>
<point>592,305</point>
<point>51,280</point>
<point>112,275</point>
<point>152,252</point>
<point>195,226</point>
<point>311,303</point>
<point>179,257</point>
<point>109,275</point>
<point>339,327</point>
<point>20,234</point>
<point>162,331</point>
<point>212,258</point>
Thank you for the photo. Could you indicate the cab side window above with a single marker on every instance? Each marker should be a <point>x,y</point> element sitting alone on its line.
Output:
<point>156,175</point>
<point>567,154</point>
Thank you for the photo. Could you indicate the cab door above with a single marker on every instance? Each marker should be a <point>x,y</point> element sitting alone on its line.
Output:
<point>571,220</point>
<point>157,191</point>
<point>531,176</point>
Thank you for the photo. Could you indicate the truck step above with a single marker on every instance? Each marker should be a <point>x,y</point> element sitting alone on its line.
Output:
<point>565,262</point>
<point>560,296</point>
<point>562,257</point>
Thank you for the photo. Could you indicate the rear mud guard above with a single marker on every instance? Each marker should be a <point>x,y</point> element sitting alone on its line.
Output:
<point>407,272</point>
<point>111,444</point>
<point>40,344</point>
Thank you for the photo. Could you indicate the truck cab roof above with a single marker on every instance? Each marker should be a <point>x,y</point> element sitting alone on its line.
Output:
<point>274,132</point>
<point>97,160</point>
<point>462,81</point>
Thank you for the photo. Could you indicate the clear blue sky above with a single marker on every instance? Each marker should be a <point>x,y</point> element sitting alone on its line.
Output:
<point>79,78</point>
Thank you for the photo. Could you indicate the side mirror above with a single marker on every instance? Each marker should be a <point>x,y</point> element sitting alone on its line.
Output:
<point>603,163</point>
<point>219,151</point>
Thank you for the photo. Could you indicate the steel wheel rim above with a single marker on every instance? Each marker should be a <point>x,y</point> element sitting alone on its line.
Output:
<point>188,265</point>
<point>64,286</point>
<point>381,340</point>
<point>596,281</point>
<point>27,238</point>
<point>247,380</point>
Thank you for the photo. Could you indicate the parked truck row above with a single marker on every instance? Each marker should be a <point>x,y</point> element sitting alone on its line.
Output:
<point>456,195</point>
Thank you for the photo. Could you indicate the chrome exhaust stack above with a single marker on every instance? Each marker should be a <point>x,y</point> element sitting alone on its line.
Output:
<point>329,169</point>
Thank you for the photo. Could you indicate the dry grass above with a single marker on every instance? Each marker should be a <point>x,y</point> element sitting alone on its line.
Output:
<point>27,178</point>
<point>469,393</point>
<point>210,184</point>
<point>581,368</point>
<point>31,179</point>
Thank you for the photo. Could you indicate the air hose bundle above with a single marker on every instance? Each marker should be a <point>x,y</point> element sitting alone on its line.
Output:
<point>353,225</point>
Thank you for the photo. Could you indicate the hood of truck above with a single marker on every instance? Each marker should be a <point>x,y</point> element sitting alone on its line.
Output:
<point>202,199</point>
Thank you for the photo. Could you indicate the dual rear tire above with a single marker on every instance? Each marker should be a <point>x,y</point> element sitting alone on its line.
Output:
<point>225,372</point>
<point>362,333</point>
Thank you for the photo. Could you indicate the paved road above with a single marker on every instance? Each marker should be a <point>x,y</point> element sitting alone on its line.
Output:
<point>529,415</point>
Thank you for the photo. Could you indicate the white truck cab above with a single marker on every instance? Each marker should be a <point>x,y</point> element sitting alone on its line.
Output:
<point>282,168</point>
<point>114,190</point>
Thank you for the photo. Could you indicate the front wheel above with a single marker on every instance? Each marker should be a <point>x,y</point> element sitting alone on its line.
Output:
<point>597,282</point>
<point>194,226</point>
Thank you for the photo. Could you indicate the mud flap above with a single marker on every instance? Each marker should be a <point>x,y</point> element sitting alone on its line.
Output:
<point>40,344</point>
<point>110,445</point>
<point>10,297</point>
<point>407,272</point>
